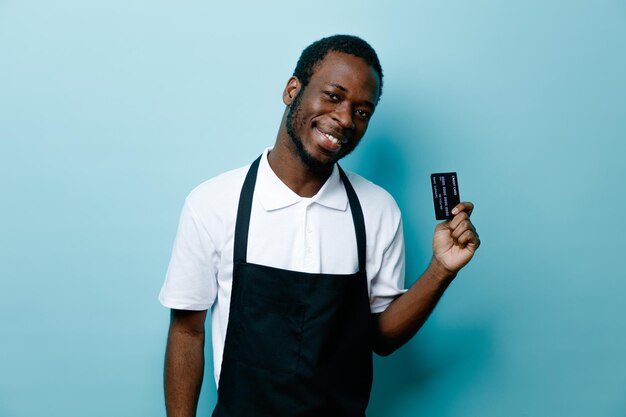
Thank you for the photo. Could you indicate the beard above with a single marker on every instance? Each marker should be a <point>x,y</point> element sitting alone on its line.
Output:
<point>293,118</point>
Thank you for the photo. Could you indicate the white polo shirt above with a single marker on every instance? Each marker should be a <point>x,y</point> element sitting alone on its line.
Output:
<point>314,235</point>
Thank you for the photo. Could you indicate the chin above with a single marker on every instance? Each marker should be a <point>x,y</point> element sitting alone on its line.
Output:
<point>316,163</point>
<point>312,162</point>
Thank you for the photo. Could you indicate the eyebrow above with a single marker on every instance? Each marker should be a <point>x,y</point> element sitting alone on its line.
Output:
<point>345,90</point>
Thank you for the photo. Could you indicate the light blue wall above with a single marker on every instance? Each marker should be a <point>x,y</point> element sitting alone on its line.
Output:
<point>111,112</point>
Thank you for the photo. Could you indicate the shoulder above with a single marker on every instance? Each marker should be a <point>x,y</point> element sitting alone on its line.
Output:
<point>373,198</point>
<point>380,211</point>
<point>383,219</point>
<point>218,193</point>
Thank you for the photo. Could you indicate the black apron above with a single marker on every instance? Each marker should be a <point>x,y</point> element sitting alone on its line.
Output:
<point>297,344</point>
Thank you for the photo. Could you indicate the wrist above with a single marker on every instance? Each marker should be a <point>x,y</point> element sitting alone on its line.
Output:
<point>439,272</point>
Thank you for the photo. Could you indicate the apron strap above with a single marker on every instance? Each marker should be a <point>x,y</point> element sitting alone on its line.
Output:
<point>357,218</point>
<point>245,207</point>
<point>243,214</point>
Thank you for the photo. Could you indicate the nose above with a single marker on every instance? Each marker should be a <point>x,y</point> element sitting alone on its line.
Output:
<point>343,116</point>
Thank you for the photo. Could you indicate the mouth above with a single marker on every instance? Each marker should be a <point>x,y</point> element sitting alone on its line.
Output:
<point>330,141</point>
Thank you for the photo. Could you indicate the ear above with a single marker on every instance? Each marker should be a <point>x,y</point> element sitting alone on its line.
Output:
<point>291,90</point>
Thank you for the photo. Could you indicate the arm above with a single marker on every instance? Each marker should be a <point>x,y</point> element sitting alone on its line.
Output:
<point>184,362</point>
<point>454,245</point>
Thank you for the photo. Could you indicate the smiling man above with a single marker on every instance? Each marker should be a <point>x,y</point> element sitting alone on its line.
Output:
<point>301,264</point>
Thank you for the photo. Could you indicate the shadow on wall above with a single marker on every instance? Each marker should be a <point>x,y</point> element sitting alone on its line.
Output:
<point>434,369</point>
<point>416,381</point>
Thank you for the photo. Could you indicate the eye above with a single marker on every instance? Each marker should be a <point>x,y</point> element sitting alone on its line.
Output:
<point>332,96</point>
<point>363,114</point>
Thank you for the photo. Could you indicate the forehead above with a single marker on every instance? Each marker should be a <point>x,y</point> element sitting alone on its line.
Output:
<point>350,72</point>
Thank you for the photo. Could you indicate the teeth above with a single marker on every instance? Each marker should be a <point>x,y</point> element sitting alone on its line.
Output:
<point>332,139</point>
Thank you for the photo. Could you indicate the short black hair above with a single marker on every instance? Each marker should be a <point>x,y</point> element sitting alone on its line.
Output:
<point>349,44</point>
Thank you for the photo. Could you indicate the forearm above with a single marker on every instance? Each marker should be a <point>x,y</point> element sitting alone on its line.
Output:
<point>407,313</point>
<point>184,369</point>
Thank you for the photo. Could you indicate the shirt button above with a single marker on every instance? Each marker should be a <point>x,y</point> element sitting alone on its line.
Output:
<point>309,231</point>
<point>308,250</point>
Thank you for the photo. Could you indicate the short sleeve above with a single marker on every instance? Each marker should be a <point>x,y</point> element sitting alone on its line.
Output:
<point>388,283</point>
<point>191,280</point>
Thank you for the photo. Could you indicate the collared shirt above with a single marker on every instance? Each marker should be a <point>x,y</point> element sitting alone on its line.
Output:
<point>314,235</point>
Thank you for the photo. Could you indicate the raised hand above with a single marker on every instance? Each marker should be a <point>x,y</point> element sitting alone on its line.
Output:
<point>456,240</point>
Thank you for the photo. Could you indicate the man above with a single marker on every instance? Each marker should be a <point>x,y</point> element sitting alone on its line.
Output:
<point>301,264</point>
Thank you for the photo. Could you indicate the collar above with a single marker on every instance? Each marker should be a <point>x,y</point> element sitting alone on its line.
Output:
<point>273,194</point>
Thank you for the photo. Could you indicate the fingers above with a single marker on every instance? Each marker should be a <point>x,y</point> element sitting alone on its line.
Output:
<point>465,233</point>
<point>458,219</point>
<point>462,227</point>
<point>465,206</point>
<point>462,213</point>
<point>469,239</point>
<point>462,231</point>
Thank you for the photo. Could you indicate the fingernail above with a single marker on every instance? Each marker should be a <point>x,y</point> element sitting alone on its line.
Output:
<point>455,210</point>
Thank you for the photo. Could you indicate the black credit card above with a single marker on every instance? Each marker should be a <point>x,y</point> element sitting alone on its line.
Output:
<point>445,194</point>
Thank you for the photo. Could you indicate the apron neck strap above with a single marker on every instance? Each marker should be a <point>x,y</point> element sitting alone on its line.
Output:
<point>243,213</point>
<point>245,207</point>
<point>357,218</point>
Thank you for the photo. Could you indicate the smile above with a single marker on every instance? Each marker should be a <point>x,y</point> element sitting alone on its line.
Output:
<point>329,142</point>
<point>332,138</point>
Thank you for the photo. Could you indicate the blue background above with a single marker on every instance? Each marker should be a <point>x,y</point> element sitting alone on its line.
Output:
<point>111,112</point>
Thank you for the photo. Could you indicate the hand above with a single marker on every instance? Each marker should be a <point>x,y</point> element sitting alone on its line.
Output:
<point>456,240</point>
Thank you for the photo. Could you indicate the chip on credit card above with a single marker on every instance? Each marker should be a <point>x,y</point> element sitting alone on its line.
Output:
<point>445,194</point>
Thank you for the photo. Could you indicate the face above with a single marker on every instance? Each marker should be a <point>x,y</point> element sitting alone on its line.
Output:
<point>327,119</point>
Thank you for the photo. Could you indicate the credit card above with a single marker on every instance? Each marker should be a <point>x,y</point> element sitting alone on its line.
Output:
<point>445,194</point>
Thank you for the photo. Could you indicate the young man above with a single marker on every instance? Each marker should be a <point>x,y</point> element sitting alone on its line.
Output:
<point>301,264</point>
